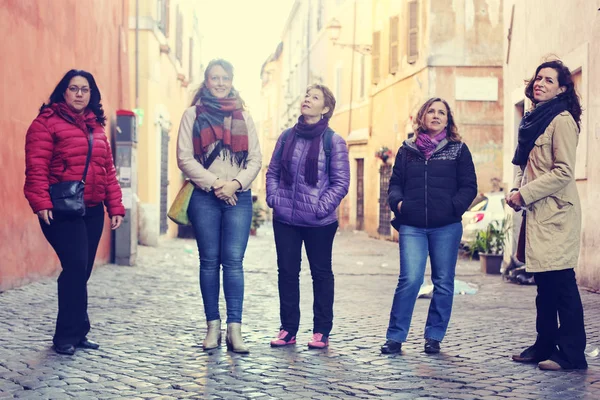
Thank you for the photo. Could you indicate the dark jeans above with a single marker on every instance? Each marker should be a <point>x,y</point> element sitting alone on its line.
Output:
<point>319,244</point>
<point>75,241</point>
<point>558,295</point>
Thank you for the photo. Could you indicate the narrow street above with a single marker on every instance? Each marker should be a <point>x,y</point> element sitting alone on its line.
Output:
<point>149,322</point>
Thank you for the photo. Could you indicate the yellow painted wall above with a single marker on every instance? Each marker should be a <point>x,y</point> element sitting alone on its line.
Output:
<point>463,40</point>
<point>267,123</point>
<point>392,108</point>
<point>163,96</point>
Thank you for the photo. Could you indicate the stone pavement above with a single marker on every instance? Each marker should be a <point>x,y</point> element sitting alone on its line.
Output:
<point>149,322</point>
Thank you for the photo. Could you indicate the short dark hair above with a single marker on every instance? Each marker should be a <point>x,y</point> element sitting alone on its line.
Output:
<point>228,67</point>
<point>451,129</point>
<point>565,78</point>
<point>328,98</point>
<point>95,104</point>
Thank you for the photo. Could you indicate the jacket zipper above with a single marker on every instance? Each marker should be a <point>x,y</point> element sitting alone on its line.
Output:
<point>426,168</point>
<point>426,213</point>
<point>296,182</point>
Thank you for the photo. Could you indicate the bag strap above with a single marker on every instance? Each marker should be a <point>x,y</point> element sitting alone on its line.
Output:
<point>213,155</point>
<point>327,139</point>
<point>89,155</point>
<point>284,136</point>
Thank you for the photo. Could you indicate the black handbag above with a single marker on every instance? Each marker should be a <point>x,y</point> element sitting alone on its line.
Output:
<point>67,196</point>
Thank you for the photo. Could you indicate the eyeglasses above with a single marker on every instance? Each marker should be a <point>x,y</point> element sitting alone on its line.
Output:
<point>76,89</point>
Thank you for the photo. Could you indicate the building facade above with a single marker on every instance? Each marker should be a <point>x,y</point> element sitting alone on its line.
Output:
<point>432,48</point>
<point>307,55</point>
<point>386,58</point>
<point>41,47</point>
<point>165,68</point>
<point>574,37</point>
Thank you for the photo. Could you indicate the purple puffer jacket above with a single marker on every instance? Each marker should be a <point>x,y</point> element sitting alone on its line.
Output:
<point>302,204</point>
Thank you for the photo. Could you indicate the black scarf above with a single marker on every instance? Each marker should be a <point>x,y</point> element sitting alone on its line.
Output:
<point>534,123</point>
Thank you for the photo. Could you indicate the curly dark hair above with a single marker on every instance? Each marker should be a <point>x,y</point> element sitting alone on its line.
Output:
<point>451,129</point>
<point>95,104</point>
<point>565,79</point>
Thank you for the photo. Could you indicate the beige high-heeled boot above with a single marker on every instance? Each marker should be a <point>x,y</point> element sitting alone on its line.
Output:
<point>213,335</point>
<point>234,339</point>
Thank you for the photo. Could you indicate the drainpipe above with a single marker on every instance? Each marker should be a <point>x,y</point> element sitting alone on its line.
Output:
<point>352,71</point>
<point>137,55</point>
<point>308,39</point>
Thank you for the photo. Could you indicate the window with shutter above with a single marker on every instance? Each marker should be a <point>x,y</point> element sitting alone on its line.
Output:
<point>338,84</point>
<point>191,59</point>
<point>179,36</point>
<point>394,55</point>
<point>375,51</point>
<point>320,15</point>
<point>362,76</point>
<point>162,16</point>
<point>413,31</point>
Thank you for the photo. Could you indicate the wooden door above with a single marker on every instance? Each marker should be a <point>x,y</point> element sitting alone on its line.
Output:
<point>164,180</point>
<point>385,214</point>
<point>360,194</point>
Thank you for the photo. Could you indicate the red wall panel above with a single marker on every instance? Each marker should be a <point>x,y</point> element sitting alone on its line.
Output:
<point>42,39</point>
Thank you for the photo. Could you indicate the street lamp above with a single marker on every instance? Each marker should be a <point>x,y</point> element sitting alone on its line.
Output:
<point>334,29</point>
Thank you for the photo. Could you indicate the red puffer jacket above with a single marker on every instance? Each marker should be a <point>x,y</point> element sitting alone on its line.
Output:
<point>56,148</point>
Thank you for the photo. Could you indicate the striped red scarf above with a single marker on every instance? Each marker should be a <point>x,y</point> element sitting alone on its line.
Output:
<point>220,120</point>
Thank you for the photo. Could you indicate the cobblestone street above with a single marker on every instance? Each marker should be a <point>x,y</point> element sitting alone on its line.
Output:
<point>149,322</point>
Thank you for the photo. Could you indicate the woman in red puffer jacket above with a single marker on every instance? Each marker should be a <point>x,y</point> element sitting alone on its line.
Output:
<point>56,150</point>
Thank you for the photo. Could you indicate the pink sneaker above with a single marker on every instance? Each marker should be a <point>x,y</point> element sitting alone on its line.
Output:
<point>283,339</point>
<point>318,341</point>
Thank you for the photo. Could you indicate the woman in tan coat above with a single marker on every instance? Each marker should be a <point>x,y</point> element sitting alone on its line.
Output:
<point>545,189</point>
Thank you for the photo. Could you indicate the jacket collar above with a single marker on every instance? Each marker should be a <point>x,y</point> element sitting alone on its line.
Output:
<point>412,145</point>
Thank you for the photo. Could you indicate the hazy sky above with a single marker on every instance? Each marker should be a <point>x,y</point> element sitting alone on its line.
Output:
<point>244,32</point>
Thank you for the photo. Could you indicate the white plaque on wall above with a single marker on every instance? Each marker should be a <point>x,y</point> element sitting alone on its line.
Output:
<point>476,89</point>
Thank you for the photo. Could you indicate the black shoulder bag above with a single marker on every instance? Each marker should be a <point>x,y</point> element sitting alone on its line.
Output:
<point>67,196</point>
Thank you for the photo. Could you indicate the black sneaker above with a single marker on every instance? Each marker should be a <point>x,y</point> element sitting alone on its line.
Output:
<point>391,347</point>
<point>432,346</point>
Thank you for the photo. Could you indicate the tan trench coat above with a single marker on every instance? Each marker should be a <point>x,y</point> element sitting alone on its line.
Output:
<point>547,185</point>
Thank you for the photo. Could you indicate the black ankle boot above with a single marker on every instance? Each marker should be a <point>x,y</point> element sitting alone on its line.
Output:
<point>432,346</point>
<point>67,349</point>
<point>391,347</point>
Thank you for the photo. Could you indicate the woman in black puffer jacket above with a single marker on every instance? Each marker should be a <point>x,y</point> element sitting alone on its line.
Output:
<point>432,185</point>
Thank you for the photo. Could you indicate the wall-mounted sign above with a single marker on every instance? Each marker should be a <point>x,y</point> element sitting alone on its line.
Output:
<point>476,88</point>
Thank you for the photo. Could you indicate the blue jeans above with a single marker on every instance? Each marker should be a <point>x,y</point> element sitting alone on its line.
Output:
<point>441,244</point>
<point>222,234</point>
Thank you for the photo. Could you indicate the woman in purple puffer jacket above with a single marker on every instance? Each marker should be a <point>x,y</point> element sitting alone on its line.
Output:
<point>305,185</point>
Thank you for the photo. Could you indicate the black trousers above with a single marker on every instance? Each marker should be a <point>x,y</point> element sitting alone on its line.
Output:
<point>318,242</point>
<point>75,240</point>
<point>558,295</point>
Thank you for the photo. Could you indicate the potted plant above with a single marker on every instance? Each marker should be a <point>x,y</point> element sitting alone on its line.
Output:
<point>489,243</point>
<point>384,153</point>
<point>258,217</point>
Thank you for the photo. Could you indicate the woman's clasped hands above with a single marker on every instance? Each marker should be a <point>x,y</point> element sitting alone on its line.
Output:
<point>226,191</point>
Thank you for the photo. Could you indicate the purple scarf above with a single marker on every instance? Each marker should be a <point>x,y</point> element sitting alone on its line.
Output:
<point>312,132</point>
<point>427,144</point>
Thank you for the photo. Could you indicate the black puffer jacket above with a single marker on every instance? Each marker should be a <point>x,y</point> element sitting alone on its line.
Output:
<point>434,192</point>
